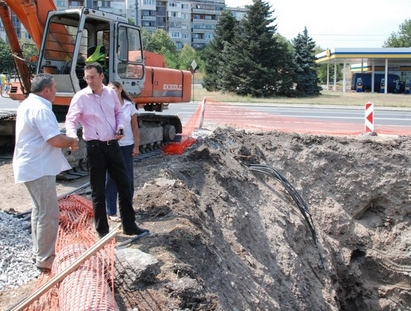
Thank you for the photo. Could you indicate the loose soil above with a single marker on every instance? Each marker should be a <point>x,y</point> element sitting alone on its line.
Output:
<point>230,238</point>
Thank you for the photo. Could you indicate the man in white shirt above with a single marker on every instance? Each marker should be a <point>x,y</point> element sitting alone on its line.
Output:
<point>36,162</point>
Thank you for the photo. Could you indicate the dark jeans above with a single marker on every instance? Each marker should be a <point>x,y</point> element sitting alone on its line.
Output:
<point>103,157</point>
<point>111,188</point>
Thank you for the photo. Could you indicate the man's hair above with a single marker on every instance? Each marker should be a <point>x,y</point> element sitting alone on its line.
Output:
<point>40,82</point>
<point>94,65</point>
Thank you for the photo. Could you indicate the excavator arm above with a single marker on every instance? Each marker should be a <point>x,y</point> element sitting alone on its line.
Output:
<point>33,17</point>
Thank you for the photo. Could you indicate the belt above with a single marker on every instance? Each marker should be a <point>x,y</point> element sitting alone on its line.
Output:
<point>100,142</point>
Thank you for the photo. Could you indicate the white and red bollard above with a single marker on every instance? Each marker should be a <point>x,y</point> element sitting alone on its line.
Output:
<point>203,107</point>
<point>369,118</point>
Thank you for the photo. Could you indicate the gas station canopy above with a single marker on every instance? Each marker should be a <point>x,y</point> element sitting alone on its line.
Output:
<point>387,58</point>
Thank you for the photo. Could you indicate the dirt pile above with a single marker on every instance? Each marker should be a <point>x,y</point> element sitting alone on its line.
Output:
<point>229,238</point>
<point>233,239</point>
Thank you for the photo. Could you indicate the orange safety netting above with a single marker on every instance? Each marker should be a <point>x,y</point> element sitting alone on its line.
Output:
<point>242,116</point>
<point>90,286</point>
<point>186,140</point>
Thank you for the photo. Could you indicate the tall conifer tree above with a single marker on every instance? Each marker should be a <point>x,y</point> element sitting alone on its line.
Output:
<point>255,52</point>
<point>224,33</point>
<point>307,80</point>
<point>254,63</point>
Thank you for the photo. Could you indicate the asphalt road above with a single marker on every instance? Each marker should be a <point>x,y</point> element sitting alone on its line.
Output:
<point>285,117</point>
<point>394,117</point>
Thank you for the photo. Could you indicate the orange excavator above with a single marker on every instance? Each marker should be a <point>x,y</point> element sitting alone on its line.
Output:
<point>68,39</point>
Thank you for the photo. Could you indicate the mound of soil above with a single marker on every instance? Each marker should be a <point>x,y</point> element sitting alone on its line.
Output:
<point>276,221</point>
<point>232,238</point>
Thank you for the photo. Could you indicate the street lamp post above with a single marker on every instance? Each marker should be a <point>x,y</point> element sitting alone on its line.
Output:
<point>193,68</point>
<point>136,12</point>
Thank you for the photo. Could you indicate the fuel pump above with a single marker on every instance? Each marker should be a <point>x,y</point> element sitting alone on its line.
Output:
<point>382,86</point>
<point>407,86</point>
<point>359,85</point>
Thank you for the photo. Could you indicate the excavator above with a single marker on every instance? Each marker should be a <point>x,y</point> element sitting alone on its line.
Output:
<point>68,39</point>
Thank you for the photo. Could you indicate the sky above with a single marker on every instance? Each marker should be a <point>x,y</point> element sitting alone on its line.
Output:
<point>342,24</point>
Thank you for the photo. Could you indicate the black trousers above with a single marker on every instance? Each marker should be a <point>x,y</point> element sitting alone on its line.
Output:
<point>105,156</point>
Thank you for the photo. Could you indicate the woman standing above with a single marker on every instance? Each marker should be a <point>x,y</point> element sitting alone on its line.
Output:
<point>129,146</point>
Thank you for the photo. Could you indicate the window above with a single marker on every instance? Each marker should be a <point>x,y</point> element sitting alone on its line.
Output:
<point>175,25</point>
<point>105,4</point>
<point>129,52</point>
<point>175,34</point>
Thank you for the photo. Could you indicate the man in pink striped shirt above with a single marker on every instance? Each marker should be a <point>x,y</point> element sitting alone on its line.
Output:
<point>98,109</point>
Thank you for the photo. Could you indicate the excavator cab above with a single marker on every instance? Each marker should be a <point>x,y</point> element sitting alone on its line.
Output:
<point>75,37</point>
<point>66,40</point>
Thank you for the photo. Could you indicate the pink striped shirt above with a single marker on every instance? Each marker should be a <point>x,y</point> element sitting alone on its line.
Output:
<point>100,116</point>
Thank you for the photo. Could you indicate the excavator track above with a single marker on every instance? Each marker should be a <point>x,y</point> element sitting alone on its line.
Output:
<point>7,130</point>
<point>157,130</point>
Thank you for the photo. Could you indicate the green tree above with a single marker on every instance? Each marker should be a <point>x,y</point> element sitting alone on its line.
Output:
<point>29,48</point>
<point>286,72</point>
<point>306,79</point>
<point>224,33</point>
<point>146,36</point>
<point>255,59</point>
<point>6,58</point>
<point>186,56</point>
<point>30,53</point>
<point>402,38</point>
<point>228,74</point>
<point>161,43</point>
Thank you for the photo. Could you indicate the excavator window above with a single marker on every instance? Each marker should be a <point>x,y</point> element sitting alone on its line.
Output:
<point>129,54</point>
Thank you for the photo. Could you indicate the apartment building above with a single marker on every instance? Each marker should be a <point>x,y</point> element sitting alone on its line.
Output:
<point>187,22</point>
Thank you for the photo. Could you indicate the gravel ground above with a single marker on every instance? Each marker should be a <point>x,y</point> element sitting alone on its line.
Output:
<point>16,265</point>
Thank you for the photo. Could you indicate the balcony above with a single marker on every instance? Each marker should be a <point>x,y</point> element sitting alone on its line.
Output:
<point>148,18</point>
<point>205,11</point>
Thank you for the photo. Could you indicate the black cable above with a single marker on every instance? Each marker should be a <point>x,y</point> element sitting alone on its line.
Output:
<point>302,206</point>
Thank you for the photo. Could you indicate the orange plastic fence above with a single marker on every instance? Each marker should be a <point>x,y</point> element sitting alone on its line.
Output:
<point>90,287</point>
<point>242,116</point>
<point>186,139</point>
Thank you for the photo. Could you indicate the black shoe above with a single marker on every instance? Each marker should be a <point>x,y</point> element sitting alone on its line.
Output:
<point>136,230</point>
<point>101,235</point>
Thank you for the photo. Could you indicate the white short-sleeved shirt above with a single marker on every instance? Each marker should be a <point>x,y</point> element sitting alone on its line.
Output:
<point>129,109</point>
<point>33,156</point>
